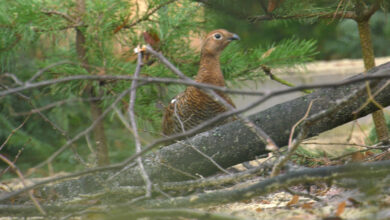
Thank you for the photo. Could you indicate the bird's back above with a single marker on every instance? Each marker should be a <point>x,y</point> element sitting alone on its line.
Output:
<point>191,108</point>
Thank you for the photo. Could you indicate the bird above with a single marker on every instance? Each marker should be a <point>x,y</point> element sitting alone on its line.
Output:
<point>194,106</point>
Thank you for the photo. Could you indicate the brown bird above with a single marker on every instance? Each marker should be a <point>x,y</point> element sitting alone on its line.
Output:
<point>193,106</point>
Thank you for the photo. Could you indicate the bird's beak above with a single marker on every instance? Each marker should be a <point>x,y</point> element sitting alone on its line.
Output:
<point>234,37</point>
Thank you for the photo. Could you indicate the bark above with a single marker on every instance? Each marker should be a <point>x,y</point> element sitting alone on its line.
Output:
<point>369,62</point>
<point>98,132</point>
<point>235,143</point>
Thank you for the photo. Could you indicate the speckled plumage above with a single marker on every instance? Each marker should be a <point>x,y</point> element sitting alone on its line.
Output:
<point>194,106</point>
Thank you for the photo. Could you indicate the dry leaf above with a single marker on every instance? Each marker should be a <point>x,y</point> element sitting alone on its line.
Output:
<point>340,208</point>
<point>151,38</point>
<point>246,201</point>
<point>332,218</point>
<point>293,201</point>
<point>369,153</point>
<point>273,4</point>
<point>357,156</point>
<point>354,202</point>
<point>259,210</point>
<point>265,202</point>
<point>308,205</point>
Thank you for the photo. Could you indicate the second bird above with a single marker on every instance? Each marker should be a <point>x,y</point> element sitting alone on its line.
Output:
<point>193,106</point>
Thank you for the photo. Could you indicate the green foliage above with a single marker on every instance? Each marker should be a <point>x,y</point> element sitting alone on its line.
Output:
<point>244,64</point>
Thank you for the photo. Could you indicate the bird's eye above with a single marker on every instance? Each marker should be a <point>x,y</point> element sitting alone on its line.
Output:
<point>217,36</point>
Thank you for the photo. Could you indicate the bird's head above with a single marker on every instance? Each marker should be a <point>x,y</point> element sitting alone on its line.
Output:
<point>216,41</point>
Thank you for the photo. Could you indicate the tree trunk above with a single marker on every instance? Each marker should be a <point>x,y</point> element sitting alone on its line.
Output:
<point>98,132</point>
<point>235,143</point>
<point>369,62</point>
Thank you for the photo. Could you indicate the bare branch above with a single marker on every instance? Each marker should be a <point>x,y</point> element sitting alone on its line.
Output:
<point>383,74</point>
<point>21,177</point>
<point>13,132</point>
<point>175,213</point>
<point>321,15</point>
<point>56,104</point>
<point>61,14</point>
<point>364,170</point>
<point>146,80</point>
<point>206,156</point>
<point>133,122</point>
<point>13,77</point>
<point>40,72</point>
<point>267,71</point>
<point>292,146</point>
<point>84,132</point>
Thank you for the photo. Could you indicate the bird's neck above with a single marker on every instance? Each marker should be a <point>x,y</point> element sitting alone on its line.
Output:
<point>210,70</point>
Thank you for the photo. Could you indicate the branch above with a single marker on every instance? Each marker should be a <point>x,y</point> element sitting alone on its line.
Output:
<point>272,76</point>
<point>13,132</point>
<point>133,122</point>
<point>175,213</point>
<point>61,14</point>
<point>40,72</point>
<point>20,175</point>
<point>84,132</point>
<point>373,170</point>
<point>321,15</point>
<point>56,104</point>
<point>146,80</point>
<point>356,171</point>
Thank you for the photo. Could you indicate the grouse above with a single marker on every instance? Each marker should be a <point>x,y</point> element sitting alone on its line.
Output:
<point>193,106</point>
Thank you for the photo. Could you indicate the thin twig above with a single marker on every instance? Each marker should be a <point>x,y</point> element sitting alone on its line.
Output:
<point>297,123</point>
<point>147,80</point>
<point>13,132</point>
<point>82,133</point>
<point>133,122</point>
<point>61,14</point>
<point>206,156</point>
<point>382,74</point>
<point>41,71</point>
<point>321,15</point>
<point>172,213</point>
<point>56,104</point>
<point>21,177</point>
<point>308,195</point>
<point>321,174</point>
<point>267,71</point>
<point>371,98</point>
<point>13,77</point>
<point>14,161</point>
